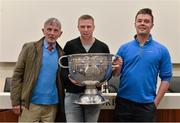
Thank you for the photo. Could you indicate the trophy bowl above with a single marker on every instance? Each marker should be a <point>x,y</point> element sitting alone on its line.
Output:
<point>89,69</point>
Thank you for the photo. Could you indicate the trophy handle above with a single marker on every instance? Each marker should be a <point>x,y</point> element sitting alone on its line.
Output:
<point>61,63</point>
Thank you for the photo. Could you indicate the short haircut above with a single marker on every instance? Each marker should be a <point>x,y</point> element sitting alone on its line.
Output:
<point>145,11</point>
<point>85,17</point>
<point>52,21</point>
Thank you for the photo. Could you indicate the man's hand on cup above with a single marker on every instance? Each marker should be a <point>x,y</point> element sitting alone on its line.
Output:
<point>116,66</point>
<point>78,83</point>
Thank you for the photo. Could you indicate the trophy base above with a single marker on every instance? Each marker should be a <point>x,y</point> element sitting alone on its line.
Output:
<point>89,99</point>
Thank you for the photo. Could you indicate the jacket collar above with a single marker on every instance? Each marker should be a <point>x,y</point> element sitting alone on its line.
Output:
<point>39,44</point>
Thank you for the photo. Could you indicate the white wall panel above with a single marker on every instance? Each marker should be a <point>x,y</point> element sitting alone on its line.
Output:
<point>21,21</point>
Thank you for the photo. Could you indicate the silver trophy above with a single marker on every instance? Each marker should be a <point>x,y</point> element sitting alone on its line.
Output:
<point>89,69</point>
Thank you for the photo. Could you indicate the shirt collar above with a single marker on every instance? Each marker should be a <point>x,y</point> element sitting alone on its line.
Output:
<point>147,42</point>
<point>46,44</point>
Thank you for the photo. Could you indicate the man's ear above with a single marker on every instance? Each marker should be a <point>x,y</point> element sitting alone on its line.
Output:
<point>60,33</point>
<point>152,26</point>
<point>43,30</point>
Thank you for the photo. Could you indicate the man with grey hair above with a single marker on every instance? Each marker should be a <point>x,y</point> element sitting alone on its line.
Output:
<point>37,88</point>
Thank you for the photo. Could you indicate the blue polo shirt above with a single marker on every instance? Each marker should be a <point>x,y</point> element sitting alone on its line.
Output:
<point>140,69</point>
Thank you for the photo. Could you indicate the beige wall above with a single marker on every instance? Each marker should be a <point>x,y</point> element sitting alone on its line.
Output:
<point>176,70</point>
<point>114,21</point>
<point>6,70</point>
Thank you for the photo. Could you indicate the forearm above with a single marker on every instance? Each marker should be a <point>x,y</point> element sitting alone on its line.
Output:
<point>17,81</point>
<point>116,72</point>
<point>161,91</point>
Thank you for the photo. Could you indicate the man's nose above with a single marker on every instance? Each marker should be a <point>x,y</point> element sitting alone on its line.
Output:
<point>52,32</point>
<point>85,28</point>
<point>142,22</point>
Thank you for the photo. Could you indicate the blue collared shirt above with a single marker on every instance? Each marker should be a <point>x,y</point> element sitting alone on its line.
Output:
<point>141,67</point>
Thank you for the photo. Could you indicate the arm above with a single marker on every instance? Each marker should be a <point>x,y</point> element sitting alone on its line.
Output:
<point>161,91</point>
<point>165,75</point>
<point>17,79</point>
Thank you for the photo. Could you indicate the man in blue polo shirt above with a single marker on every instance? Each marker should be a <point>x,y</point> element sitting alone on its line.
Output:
<point>143,60</point>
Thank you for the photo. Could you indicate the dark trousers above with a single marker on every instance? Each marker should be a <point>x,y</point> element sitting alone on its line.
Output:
<point>129,111</point>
